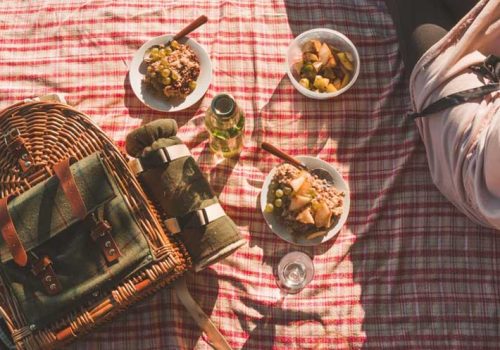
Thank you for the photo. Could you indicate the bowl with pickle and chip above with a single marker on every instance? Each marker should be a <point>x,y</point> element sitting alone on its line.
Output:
<point>301,207</point>
<point>322,63</point>
<point>170,75</point>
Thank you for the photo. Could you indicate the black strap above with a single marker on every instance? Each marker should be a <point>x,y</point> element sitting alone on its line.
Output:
<point>489,69</point>
<point>457,99</point>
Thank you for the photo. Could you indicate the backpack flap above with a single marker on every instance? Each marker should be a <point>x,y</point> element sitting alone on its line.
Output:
<point>75,247</point>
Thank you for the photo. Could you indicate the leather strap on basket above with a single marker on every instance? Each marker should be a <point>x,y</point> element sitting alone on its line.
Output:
<point>101,235</point>
<point>17,146</point>
<point>42,268</point>
<point>69,187</point>
<point>10,235</point>
<point>215,338</point>
<point>100,228</point>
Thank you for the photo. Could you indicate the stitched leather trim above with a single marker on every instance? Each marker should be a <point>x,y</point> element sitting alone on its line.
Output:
<point>9,234</point>
<point>68,185</point>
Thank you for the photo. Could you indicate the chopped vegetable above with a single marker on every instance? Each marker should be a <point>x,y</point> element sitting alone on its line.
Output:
<point>305,188</point>
<point>331,88</point>
<point>308,71</point>
<point>324,53</point>
<point>323,215</point>
<point>345,61</point>
<point>297,182</point>
<point>298,202</point>
<point>324,68</point>
<point>321,83</point>
<point>305,216</point>
<point>310,57</point>
<point>304,82</point>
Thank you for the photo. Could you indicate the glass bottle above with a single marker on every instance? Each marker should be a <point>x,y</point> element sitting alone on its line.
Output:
<point>225,122</point>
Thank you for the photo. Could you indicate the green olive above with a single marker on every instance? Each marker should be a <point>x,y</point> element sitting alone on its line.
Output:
<point>154,56</point>
<point>278,203</point>
<point>287,191</point>
<point>279,193</point>
<point>269,208</point>
<point>165,73</point>
<point>175,76</point>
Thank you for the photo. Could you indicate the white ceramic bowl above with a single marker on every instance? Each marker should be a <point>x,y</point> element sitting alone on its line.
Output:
<point>282,230</point>
<point>337,39</point>
<point>156,101</point>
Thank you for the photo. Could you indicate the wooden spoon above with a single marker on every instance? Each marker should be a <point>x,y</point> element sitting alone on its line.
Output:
<point>190,27</point>
<point>320,173</point>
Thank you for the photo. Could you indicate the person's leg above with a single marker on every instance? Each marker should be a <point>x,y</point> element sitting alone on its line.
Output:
<point>420,24</point>
<point>408,15</point>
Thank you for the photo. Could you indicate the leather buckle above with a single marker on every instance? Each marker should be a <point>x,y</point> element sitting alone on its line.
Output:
<point>172,225</point>
<point>15,143</point>
<point>43,269</point>
<point>101,234</point>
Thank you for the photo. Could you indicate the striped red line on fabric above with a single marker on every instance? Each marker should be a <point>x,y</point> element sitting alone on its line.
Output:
<point>160,5</point>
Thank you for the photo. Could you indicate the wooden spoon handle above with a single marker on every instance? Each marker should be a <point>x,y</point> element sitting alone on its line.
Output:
<point>280,154</point>
<point>191,26</point>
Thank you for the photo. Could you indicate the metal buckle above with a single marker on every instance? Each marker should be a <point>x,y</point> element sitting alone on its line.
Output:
<point>195,219</point>
<point>164,155</point>
<point>202,217</point>
<point>10,135</point>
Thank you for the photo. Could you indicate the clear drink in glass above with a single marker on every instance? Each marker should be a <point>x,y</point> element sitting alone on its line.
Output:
<point>295,271</point>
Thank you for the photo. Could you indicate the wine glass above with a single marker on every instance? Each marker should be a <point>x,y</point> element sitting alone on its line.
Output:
<point>295,271</point>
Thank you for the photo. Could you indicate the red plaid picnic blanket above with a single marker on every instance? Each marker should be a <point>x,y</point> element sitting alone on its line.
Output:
<point>407,271</point>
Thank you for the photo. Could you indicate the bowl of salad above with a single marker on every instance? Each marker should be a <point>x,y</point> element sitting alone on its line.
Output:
<point>322,63</point>
<point>170,75</point>
<point>300,207</point>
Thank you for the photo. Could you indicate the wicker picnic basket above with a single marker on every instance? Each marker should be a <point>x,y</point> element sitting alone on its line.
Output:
<point>38,135</point>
